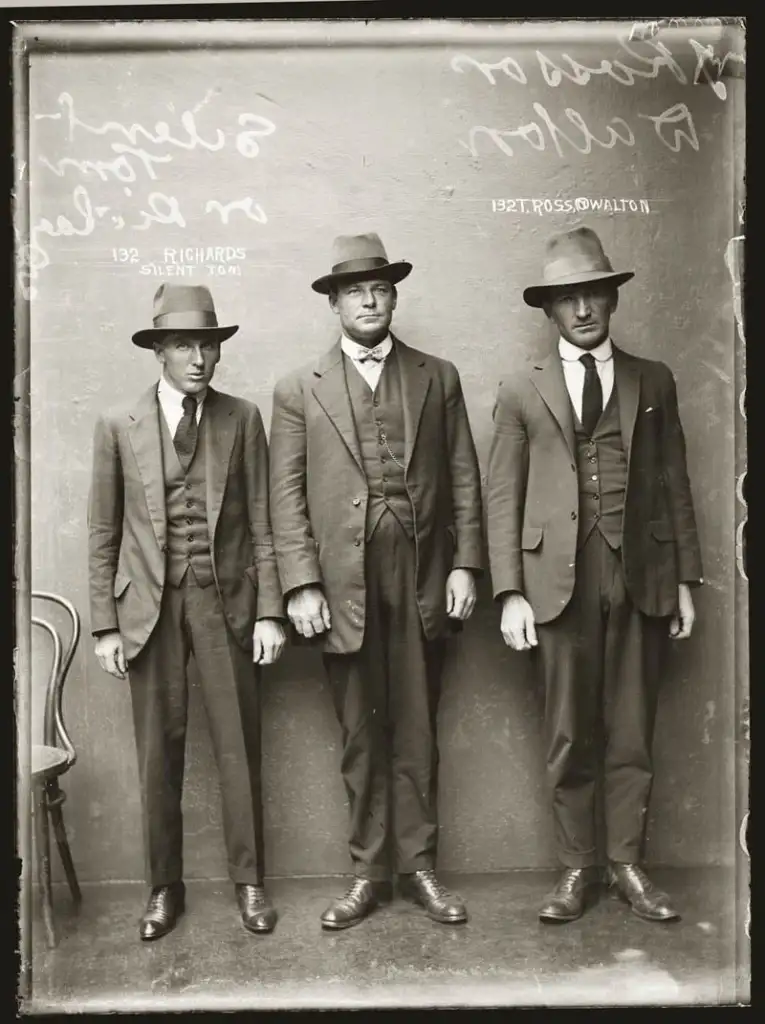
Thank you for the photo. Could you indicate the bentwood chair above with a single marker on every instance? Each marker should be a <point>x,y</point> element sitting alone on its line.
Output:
<point>50,760</point>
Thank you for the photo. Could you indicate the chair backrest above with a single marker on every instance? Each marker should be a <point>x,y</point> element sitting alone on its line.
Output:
<point>54,729</point>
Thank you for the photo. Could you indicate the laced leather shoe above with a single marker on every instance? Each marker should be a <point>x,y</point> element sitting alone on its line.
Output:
<point>258,914</point>
<point>358,902</point>
<point>630,883</point>
<point>566,902</point>
<point>165,906</point>
<point>440,904</point>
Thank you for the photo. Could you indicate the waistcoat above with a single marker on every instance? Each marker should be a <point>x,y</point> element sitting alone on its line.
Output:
<point>380,429</point>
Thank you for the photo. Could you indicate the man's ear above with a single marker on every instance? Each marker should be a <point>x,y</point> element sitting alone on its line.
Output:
<point>332,298</point>
<point>159,352</point>
<point>614,299</point>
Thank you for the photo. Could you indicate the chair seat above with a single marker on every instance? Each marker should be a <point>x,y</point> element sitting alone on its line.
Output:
<point>48,761</point>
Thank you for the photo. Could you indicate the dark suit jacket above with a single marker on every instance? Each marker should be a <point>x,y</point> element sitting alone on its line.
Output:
<point>319,491</point>
<point>128,523</point>
<point>533,498</point>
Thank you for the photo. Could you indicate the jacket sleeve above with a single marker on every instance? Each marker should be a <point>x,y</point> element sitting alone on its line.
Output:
<point>506,494</point>
<point>270,604</point>
<point>679,487</point>
<point>465,478</point>
<point>296,549</point>
<point>105,512</point>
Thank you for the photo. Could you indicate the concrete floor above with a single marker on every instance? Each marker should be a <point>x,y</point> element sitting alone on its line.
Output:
<point>502,957</point>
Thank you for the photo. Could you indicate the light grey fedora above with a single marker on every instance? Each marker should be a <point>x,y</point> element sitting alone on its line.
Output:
<point>183,307</point>
<point>356,257</point>
<point>574,257</point>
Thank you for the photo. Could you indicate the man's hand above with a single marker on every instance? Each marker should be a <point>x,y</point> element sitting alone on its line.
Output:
<point>308,612</point>
<point>681,625</point>
<point>460,594</point>
<point>111,654</point>
<point>268,639</point>
<point>518,630</point>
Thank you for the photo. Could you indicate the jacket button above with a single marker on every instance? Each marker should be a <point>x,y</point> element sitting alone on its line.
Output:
<point>357,502</point>
<point>357,543</point>
<point>573,515</point>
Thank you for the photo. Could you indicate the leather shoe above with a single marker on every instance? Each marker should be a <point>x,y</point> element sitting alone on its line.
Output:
<point>440,904</point>
<point>566,902</point>
<point>358,902</point>
<point>630,883</point>
<point>165,906</point>
<point>258,914</point>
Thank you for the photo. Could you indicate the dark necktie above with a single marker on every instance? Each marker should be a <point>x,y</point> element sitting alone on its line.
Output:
<point>185,439</point>
<point>592,394</point>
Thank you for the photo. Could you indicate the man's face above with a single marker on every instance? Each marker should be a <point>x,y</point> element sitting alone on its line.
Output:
<point>582,313</point>
<point>188,361</point>
<point>365,309</point>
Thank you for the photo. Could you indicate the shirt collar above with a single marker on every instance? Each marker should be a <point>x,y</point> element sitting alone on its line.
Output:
<point>354,350</point>
<point>602,352</point>
<point>169,395</point>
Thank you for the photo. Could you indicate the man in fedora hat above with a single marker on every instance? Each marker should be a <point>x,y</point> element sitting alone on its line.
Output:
<point>376,506</point>
<point>593,552</point>
<point>182,562</point>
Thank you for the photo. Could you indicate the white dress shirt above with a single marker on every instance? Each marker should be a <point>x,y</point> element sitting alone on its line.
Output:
<point>171,403</point>
<point>573,370</point>
<point>369,370</point>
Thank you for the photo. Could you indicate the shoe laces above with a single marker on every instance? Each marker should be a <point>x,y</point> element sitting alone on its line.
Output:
<point>429,879</point>
<point>569,882</point>
<point>356,890</point>
<point>254,895</point>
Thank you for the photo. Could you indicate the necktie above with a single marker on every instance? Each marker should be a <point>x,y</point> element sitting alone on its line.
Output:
<point>185,439</point>
<point>592,394</point>
<point>375,355</point>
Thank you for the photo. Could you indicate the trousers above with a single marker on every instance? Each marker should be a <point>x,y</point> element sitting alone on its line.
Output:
<point>601,661</point>
<point>386,701</point>
<point>191,622</point>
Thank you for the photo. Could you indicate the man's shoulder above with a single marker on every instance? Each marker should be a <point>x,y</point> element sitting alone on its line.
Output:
<point>654,367</point>
<point>127,410</point>
<point>233,403</point>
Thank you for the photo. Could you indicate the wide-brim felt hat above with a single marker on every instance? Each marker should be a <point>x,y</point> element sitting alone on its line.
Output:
<point>574,257</point>
<point>357,258</point>
<point>180,308</point>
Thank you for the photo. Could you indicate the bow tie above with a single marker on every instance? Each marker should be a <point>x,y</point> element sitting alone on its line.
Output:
<point>376,355</point>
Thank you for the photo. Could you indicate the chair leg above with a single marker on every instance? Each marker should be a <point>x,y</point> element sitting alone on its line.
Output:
<point>42,836</point>
<point>56,798</point>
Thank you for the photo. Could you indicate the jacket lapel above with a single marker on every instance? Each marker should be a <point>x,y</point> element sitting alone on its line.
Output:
<point>547,377</point>
<point>332,395</point>
<point>627,380</point>
<point>415,384</point>
<point>219,436</point>
<point>144,437</point>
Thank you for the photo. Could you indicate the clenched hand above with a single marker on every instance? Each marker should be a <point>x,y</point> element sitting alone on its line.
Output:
<point>308,611</point>
<point>110,652</point>
<point>518,629</point>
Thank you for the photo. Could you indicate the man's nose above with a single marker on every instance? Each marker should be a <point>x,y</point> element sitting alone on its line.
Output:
<point>370,299</point>
<point>582,307</point>
<point>197,357</point>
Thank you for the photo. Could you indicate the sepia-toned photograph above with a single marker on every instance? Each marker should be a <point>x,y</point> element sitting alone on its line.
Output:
<point>381,599</point>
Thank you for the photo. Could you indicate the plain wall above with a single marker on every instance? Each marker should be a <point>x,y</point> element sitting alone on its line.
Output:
<point>370,140</point>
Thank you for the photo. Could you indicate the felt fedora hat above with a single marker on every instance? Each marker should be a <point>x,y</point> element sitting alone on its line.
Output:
<point>574,257</point>
<point>356,257</point>
<point>183,307</point>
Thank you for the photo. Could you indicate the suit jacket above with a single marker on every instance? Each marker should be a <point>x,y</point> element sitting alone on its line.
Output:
<point>319,490</point>
<point>127,519</point>
<point>533,493</point>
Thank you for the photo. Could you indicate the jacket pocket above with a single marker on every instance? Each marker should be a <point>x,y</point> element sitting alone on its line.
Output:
<point>662,530</point>
<point>531,537</point>
<point>252,573</point>
<point>121,583</point>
